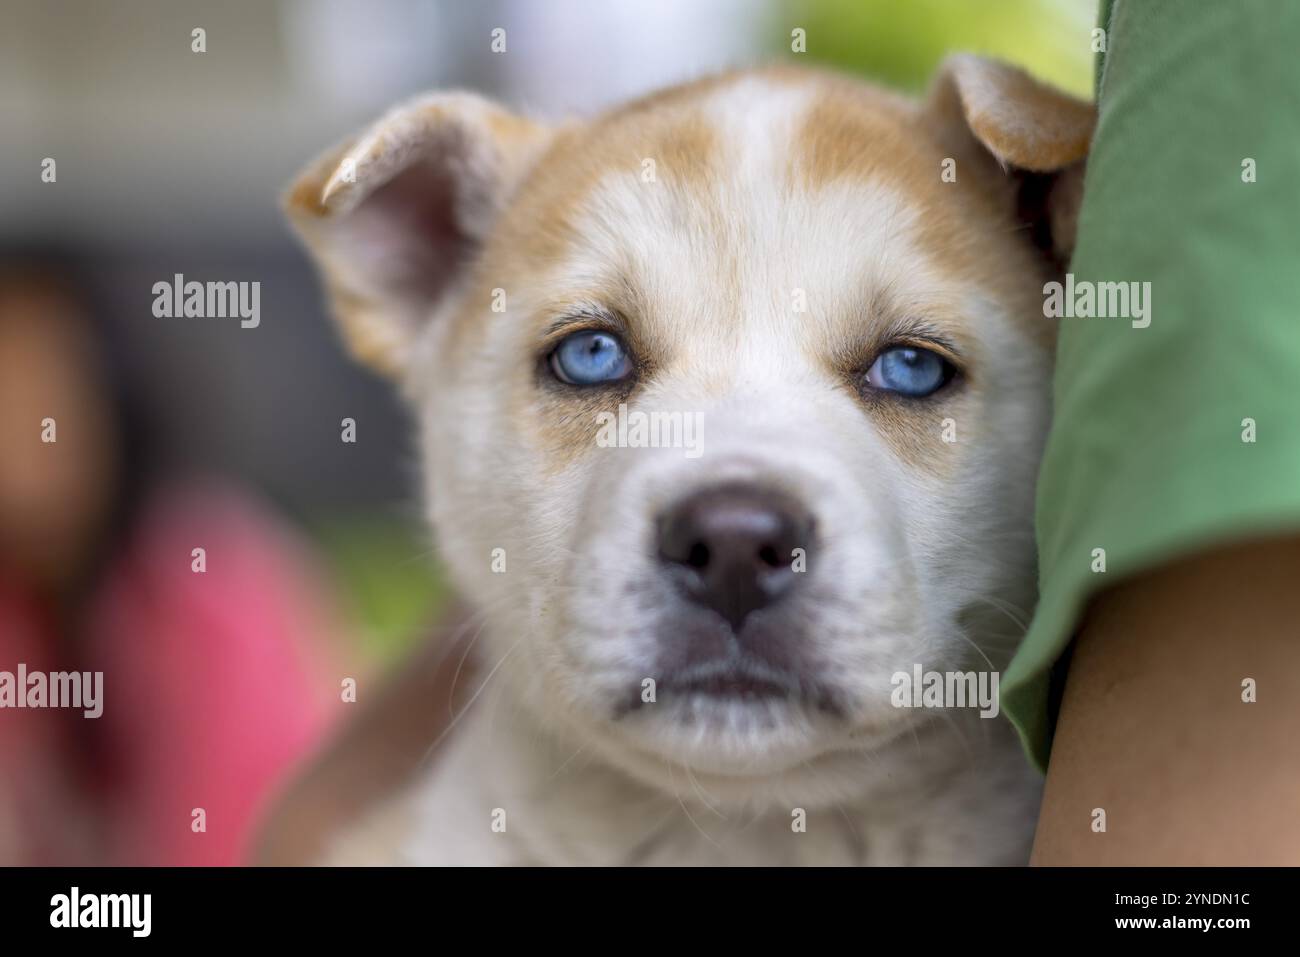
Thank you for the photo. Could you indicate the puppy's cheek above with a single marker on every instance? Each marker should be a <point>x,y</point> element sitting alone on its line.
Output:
<point>888,519</point>
<point>922,436</point>
<point>566,589</point>
<point>481,503</point>
<point>610,586</point>
<point>971,534</point>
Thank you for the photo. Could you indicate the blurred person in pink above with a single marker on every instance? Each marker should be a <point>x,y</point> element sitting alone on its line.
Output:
<point>217,677</point>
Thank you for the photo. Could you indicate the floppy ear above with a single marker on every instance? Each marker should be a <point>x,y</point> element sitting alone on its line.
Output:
<point>393,216</point>
<point>1035,133</point>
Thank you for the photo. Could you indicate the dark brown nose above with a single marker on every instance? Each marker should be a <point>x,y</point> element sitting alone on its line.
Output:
<point>732,546</point>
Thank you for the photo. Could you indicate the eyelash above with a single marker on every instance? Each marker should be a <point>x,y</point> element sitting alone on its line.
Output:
<point>564,328</point>
<point>936,344</point>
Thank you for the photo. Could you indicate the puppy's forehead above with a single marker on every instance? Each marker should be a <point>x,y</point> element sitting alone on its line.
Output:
<point>745,196</point>
<point>723,152</point>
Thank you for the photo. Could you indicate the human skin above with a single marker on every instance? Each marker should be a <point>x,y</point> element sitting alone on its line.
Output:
<point>1153,728</point>
<point>54,496</point>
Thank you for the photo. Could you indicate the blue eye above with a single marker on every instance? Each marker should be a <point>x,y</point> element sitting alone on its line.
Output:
<point>909,371</point>
<point>590,358</point>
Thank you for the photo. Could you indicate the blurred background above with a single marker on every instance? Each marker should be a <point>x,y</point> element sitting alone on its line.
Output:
<point>176,434</point>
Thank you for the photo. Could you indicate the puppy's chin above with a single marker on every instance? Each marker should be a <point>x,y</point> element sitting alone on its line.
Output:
<point>737,740</point>
<point>739,731</point>
<point>750,754</point>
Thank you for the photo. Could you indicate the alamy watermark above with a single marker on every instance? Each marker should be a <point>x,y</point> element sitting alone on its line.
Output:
<point>650,430</point>
<point>1084,299</point>
<point>54,689</point>
<point>74,909</point>
<point>946,689</point>
<point>208,300</point>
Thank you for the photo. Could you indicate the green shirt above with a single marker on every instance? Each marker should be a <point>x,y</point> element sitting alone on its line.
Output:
<point>1186,433</point>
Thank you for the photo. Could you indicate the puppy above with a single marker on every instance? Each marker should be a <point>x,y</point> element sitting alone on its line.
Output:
<point>731,402</point>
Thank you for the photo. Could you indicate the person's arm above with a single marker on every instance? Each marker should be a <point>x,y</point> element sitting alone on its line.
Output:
<point>374,755</point>
<point>1153,728</point>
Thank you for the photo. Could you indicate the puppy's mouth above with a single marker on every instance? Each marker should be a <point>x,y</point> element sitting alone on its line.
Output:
<point>729,680</point>
<point>738,681</point>
<point>730,684</point>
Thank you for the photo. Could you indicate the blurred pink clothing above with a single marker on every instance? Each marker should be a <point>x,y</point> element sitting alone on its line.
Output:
<point>215,682</point>
<point>41,821</point>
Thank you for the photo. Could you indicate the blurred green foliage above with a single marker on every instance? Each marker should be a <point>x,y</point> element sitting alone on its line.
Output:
<point>901,42</point>
<point>391,584</point>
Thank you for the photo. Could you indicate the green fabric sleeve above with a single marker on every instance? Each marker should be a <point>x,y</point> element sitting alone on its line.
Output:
<point>1185,433</point>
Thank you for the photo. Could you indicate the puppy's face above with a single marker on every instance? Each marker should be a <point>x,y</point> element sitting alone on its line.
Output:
<point>731,400</point>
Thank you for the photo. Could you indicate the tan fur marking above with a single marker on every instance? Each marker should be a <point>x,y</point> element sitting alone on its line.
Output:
<point>539,227</point>
<point>859,133</point>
